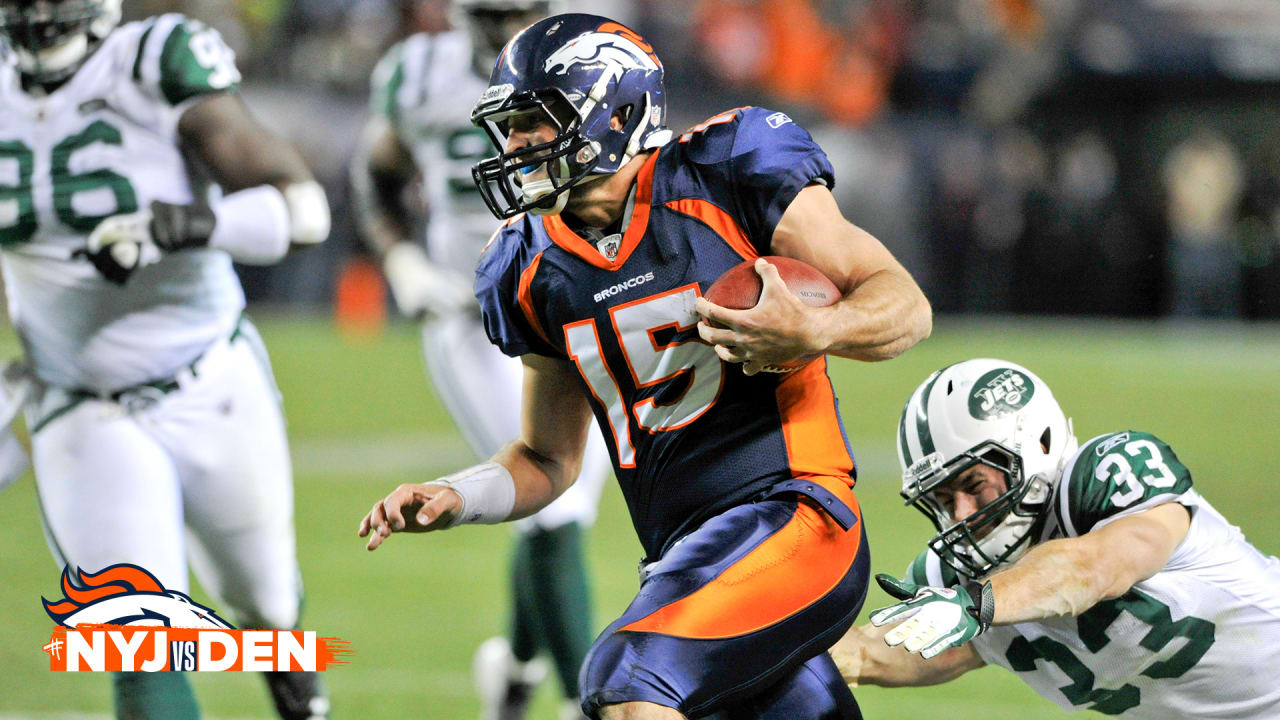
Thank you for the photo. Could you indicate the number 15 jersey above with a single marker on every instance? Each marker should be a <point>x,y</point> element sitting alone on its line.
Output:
<point>689,435</point>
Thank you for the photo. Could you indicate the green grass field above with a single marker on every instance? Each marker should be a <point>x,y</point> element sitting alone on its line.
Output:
<point>363,420</point>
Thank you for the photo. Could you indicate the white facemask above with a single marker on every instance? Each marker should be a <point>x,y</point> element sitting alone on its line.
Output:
<point>55,60</point>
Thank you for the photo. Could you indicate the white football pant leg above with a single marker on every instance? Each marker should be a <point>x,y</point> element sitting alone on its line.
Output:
<point>481,389</point>
<point>226,433</point>
<point>109,493</point>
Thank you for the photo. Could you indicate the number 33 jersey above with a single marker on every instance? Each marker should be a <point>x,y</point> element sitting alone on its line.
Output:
<point>1199,639</point>
<point>689,435</point>
<point>105,143</point>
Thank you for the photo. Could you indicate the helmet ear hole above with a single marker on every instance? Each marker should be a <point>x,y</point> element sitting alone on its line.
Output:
<point>620,117</point>
<point>1046,440</point>
<point>950,387</point>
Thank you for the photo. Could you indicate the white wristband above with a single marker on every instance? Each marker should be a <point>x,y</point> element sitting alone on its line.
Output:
<point>308,213</point>
<point>252,226</point>
<point>487,490</point>
<point>256,225</point>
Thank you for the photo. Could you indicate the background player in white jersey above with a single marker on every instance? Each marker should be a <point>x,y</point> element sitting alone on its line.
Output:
<point>157,432</point>
<point>423,91</point>
<point>1096,573</point>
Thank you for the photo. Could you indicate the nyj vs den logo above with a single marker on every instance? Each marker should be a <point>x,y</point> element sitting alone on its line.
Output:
<point>122,618</point>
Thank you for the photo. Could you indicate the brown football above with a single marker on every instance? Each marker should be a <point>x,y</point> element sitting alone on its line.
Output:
<point>739,289</point>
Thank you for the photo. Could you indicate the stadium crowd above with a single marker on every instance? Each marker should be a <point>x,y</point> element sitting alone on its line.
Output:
<point>1008,151</point>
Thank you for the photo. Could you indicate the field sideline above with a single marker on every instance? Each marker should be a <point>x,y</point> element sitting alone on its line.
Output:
<point>362,420</point>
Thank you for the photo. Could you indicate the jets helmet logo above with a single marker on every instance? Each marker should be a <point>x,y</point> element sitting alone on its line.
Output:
<point>126,594</point>
<point>1000,392</point>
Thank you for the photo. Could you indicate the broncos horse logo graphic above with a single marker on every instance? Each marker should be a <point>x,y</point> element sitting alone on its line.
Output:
<point>608,45</point>
<point>126,594</point>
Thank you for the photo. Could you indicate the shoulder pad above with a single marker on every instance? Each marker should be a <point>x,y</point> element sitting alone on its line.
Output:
<point>505,271</point>
<point>752,162</point>
<point>385,83</point>
<point>179,58</point>
<point>712,139</point>
<point>1116,474</point>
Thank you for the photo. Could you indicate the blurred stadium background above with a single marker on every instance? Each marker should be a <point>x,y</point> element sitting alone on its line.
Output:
<point>1089,188</point>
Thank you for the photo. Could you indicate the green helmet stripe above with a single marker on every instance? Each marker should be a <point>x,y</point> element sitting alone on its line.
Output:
<point>907,460</point>
<point>922,416</point>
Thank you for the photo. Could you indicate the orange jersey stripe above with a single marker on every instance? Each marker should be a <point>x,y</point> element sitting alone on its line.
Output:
<point>811,424</point>
<point>718,220</point>
<point>790,571</point>
<point>526,299</point>
<point>573,243</point>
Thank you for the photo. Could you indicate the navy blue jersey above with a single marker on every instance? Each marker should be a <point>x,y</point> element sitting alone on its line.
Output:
<point>689,434</point>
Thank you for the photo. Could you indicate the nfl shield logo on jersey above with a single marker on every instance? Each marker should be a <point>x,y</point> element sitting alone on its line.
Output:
<point>610,245</point>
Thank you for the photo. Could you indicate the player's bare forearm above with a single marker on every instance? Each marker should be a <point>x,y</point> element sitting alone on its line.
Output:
<point>238,150</point>
<point>883,312</point>
<point>380,173</point>
<point>555,420</point>
<point>539,479</point>
<point>864,659</point>
<point>1066,577</point>
<point>880,319</point>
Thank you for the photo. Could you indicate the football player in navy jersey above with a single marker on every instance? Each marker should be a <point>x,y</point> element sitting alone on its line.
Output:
<point>739,482</point>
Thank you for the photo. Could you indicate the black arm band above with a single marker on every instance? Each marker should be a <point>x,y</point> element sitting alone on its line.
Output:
<point>174,227</point>
<point>984,603</point>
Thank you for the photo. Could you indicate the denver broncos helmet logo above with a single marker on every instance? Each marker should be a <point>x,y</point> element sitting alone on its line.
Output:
<point>126,594</point>
<point>606,45</point>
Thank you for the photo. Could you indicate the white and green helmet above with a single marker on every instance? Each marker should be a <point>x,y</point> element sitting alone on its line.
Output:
<point>994,413</point>
<point>52,38</point>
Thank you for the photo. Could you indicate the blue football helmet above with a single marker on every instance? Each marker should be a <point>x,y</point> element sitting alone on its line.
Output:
<point>579,71</point>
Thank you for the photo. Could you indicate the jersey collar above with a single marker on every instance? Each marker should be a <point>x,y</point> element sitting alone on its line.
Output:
<point>574,244</point>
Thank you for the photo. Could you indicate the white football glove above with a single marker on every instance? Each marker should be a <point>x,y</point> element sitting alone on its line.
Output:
<point>422,288</point>
<point>121,244</point>
<point>933,618</point>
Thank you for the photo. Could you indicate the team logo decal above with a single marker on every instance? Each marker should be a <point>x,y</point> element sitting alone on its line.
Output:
<point>598,49</point>
<point>127,595</point>
<point>122,618</point>
<point>1000,392</point>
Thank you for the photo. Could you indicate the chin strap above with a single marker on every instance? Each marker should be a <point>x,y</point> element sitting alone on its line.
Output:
<point>633,144</point>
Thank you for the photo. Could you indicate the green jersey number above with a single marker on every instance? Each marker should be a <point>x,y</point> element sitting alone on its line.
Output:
<point>15,200</point>
<point>66,185</point>
<point>467,146</point>
<point>1198,634</point>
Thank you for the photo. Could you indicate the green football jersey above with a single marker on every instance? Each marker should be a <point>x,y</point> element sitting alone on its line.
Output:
<point>425,86</point>
<point>1199,639</point>
<point>106,143</point>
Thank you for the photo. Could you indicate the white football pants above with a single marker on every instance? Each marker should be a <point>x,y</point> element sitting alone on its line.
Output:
<point>481,389</point>
<point>201,473</point>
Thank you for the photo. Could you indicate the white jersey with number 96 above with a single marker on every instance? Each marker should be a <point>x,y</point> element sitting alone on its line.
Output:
<point>105,143</point>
